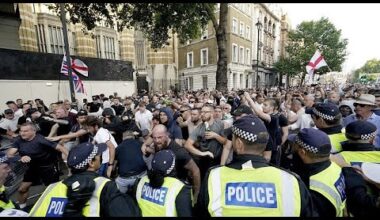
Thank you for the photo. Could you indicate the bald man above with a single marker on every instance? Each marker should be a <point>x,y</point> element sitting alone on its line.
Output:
<point>186,169</point>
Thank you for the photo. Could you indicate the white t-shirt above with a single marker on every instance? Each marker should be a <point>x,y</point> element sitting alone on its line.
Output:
<point>9,124</point>
<point>102,136</point>
<point>144,119</point>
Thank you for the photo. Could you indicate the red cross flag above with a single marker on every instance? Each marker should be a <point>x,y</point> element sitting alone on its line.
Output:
<point>316,62</point>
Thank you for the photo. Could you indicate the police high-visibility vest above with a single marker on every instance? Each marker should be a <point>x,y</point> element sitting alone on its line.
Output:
<point>158,201</point>
<point>336,140</point>
<point>3,204</point>
<point>359,157</point>
<point>54,199</point>
<point>266,191</point>
<point>330,183</point>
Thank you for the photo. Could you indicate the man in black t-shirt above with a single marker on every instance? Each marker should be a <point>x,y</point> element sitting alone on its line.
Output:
<point>43,125</point>
<point>38,153</point>
<point>186,168</point>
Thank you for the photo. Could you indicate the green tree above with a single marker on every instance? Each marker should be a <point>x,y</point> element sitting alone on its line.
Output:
<point>310,36</point>
<point>285,66</point>
<point>157,21</point>
<point>371,66</point>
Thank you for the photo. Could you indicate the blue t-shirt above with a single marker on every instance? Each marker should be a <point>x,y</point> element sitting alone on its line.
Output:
<point>129,158</point>
<point>40,150</point>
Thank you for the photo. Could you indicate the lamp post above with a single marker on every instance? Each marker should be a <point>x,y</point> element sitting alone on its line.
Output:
<point>259,25</point>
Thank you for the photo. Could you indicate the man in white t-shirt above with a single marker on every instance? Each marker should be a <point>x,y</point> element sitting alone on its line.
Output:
<point>17,111</point>
<point>102,135</point>
<point>144,117</point>
<point>10,121</point>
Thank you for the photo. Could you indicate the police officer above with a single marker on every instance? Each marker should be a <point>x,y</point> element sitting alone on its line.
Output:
<point>159,193</point>
<point>249,186</point>
<point>323,177</point>
<point>327,118</point>
<point>5,170</point>
<point>359,147</point>
<point>85,193</point>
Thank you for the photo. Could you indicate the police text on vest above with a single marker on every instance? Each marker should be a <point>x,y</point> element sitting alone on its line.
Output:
<point>156,195</point>
<point>56,207</point>
<point>251,194</point>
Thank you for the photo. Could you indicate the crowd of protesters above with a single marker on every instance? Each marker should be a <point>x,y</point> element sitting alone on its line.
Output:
<point>253,152</point>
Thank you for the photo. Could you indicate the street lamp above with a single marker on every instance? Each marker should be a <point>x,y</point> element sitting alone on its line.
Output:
<point>259,25</point>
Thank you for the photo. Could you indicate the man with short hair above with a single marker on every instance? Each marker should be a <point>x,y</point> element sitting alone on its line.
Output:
<point>187,170</point>
<point>364,105</point>
<point>39,154</point>
<point>130,163</point>
<point>100,136</point>
<point>144,117</point>
<point>209,139</point>
<point>117,106</point>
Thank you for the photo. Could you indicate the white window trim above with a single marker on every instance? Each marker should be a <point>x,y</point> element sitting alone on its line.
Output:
<point>235,31</point>
<point>248,57</point>
<point>248,32</point>
<point>237,53</point>
<point>204,49</point>
<point>241,55</point>
<point>192,59</point>
<point>241,29</point>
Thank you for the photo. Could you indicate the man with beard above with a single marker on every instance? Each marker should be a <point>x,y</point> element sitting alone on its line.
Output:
<point>187,170</point>
<point>209,139</point>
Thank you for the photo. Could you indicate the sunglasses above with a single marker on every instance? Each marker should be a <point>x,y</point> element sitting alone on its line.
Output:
<point>361,105</point>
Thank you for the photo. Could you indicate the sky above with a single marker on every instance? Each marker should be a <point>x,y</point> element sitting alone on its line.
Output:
<point>359,24</point>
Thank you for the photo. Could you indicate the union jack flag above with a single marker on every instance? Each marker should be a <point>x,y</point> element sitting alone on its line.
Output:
<point>78,84</point>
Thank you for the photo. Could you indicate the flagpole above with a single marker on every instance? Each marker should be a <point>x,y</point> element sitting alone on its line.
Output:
<point>67,50</point>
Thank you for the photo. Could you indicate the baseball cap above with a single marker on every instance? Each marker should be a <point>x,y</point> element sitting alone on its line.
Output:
<point>243,109</point>
<point>360,130</point>
<point>82,154</point>
<point>82,113</point>
<point>312,140</point>
<point>327,111</point>
<point>163,162</point>
<point>249,127</point>
<point>8,111</point>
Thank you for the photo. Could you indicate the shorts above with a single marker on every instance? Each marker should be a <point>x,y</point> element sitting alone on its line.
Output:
<point>48,174</point>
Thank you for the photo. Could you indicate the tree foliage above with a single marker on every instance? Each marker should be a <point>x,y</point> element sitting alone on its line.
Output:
<point>156,21</point>
<point>371,66</point>
<point>310,36</point>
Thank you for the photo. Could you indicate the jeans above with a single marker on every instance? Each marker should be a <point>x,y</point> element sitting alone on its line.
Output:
<point>103,169</point>
<point>126,184</point>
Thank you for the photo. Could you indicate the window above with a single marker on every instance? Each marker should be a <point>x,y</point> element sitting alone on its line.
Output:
<point>189,59</point>
<point>248,56</point>
<point>109,47</point>
<point>234,53</point>
<point>241,55</point>
<point>248,32</point>
<point>234,26</point>
<point>242,29</point>
<point>204,56</point>
<point>204,82</point>
<point>191,83</point>
<point>204,33</point>
<point>56,39</point>
<point>98,48</point>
